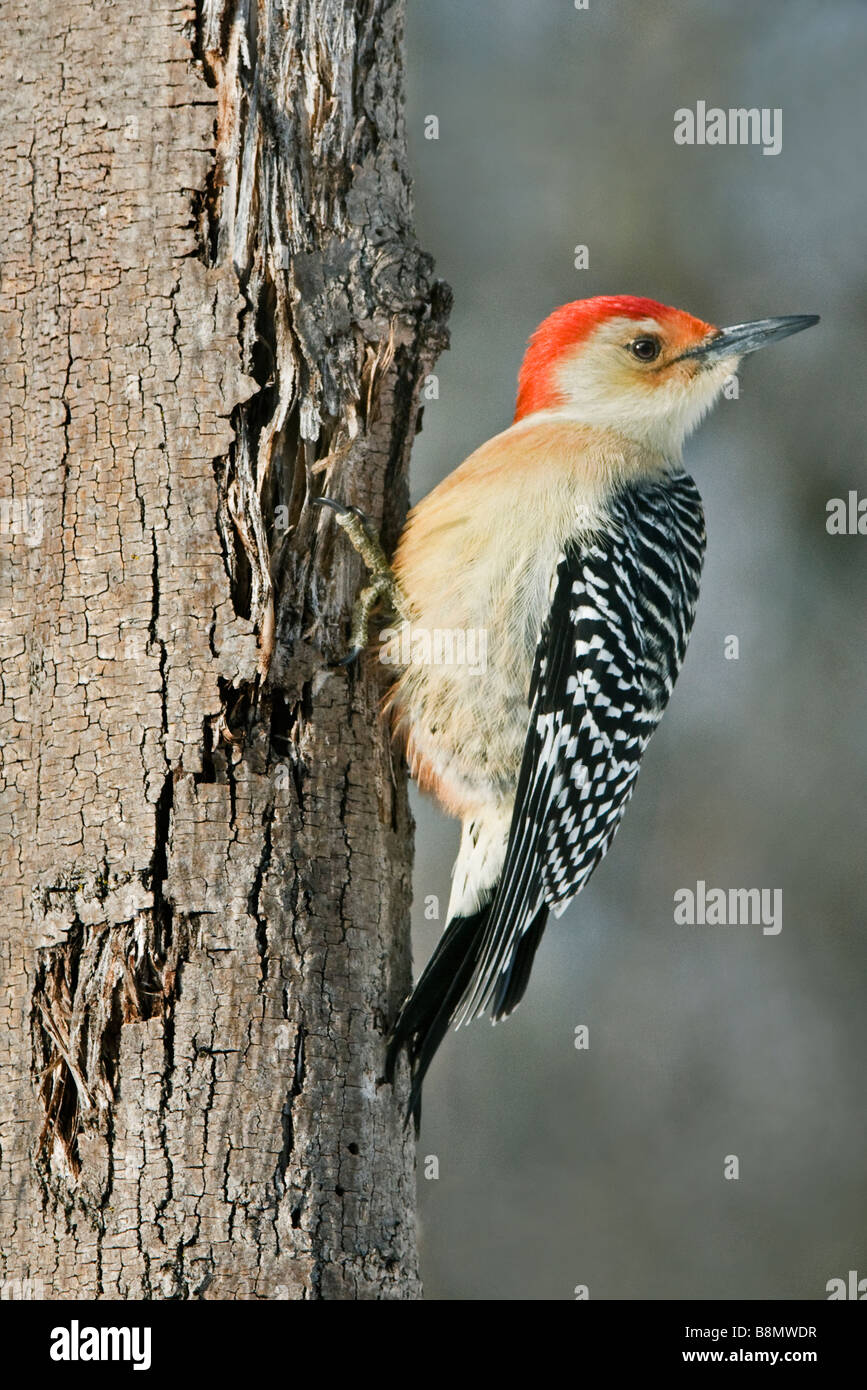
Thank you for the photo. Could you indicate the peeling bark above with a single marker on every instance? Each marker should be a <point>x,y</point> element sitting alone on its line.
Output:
<point>212,308</point>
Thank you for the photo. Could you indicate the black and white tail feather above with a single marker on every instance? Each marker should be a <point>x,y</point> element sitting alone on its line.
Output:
<point>607,657</point>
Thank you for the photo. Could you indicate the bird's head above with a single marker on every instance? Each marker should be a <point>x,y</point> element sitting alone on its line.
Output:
<point>639,368</point>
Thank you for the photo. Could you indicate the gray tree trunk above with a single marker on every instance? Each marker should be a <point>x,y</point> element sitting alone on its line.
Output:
<point>212,307</point>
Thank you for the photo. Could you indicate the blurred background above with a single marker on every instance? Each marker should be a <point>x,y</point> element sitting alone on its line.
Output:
<point>605,1167</point>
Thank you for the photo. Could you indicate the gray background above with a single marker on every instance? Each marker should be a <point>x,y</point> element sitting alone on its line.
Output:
<point>605,1167</point>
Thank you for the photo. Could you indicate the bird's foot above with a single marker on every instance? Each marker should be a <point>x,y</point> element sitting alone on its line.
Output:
<point>382,584</point>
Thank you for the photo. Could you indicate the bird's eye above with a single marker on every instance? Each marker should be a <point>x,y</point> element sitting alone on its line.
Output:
<point>645,349</point>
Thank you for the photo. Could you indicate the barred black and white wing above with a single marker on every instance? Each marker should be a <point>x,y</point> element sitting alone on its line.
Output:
<point>607,658</point>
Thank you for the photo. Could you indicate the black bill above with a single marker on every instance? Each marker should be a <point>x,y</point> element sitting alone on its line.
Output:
<point>742,338</point>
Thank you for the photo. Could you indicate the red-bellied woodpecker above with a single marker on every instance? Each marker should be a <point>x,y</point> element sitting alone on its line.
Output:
<point>574,542</point>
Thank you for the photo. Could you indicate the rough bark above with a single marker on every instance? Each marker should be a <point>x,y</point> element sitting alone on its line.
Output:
<point>212,307</point>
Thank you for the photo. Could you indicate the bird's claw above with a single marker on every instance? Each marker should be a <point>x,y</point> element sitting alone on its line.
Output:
<point>327,502</point>
<point>362,536</point>
<point>341,508</point>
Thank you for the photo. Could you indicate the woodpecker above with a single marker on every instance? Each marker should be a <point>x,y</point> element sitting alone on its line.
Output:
<point>574,540</point>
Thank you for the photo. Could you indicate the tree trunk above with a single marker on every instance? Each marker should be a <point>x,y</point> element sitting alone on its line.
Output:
<point>212,308</point>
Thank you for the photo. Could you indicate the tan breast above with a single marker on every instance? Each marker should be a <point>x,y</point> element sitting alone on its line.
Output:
<point>475,562</point>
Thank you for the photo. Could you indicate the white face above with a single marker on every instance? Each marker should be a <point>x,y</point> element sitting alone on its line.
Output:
<point>656,399</point>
